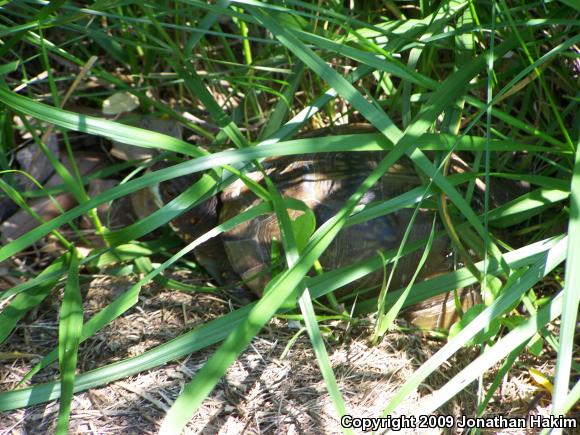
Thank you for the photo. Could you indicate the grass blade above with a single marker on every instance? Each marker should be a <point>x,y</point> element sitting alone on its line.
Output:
<point>571,294</point>
<point>69,334</point>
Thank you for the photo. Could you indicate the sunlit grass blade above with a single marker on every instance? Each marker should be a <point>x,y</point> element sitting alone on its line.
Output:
<point>571,299</point>
<point>500,376</point>
<point>292,251</point>
<point>17,198</point>
<point>69,332</point>
<point>526,206</point>
<point>53,271</point>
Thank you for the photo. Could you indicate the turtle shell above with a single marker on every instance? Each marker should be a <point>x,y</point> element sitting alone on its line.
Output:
<point>323,182</point>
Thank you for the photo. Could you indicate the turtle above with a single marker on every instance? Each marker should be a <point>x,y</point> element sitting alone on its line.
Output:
<point>323,181</point>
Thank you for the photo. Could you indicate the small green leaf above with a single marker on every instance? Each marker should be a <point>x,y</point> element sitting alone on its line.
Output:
<point>303,226</point>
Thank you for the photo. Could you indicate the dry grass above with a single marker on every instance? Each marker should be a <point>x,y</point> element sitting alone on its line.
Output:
<point>261,393</point>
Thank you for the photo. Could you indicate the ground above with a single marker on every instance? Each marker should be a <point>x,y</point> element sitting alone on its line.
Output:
<point>270,389</point>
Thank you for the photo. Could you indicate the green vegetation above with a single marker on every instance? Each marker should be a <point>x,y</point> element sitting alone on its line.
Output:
<point>493,80</point>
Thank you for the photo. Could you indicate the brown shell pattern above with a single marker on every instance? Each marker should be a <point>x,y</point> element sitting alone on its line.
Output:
<point>324,182</point>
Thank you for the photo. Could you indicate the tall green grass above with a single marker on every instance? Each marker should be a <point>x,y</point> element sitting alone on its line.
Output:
<point>495,81</point>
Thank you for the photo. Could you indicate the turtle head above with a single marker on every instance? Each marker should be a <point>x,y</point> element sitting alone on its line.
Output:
<point>197,222</point>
